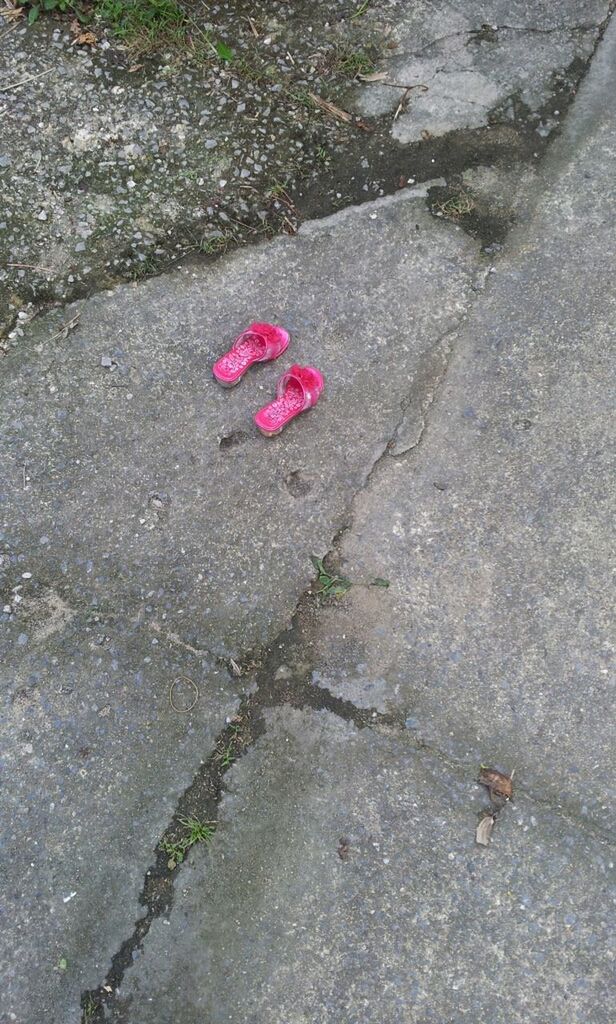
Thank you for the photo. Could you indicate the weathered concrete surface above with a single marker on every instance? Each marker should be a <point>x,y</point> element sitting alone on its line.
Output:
<point>148,531</point>
<point>418,924</point>
<point>114,164</point>
<point>496,636</point>
<point>475,57</point>
<point>493,638</point>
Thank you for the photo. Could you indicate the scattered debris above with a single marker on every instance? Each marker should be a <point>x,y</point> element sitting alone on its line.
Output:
<point>344,848</point>
<point>338,113</point>
<point>484,829</point>
<point>30,266</point>
<point>498,784</point>
<point>376,76</point>
<point>70,325</point>
<point>235,668</point>
<point>82,38</point>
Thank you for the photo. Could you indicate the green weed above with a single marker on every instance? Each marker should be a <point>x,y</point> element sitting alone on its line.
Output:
<point>363,7</point>
<point>331,585</point>
<point>35,9</point>
<point>194,831</point>
<point>89,1010</point>
<point>351,63</point>
<point>145,25</point>
<point>455,207</point>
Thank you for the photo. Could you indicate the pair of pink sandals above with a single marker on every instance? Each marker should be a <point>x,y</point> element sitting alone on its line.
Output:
<point>298,389</point>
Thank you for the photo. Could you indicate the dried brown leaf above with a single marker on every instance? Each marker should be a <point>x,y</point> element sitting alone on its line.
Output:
<point>498,783</point>
<point>13,13</point>
<point>85,39</point>
<point>484,830</point>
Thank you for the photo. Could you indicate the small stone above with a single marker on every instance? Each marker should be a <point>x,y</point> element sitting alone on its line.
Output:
<point>106,361</point>
<point>42,215</point>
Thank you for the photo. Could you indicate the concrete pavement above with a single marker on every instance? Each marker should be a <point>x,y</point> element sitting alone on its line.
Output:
<point>149,534</point>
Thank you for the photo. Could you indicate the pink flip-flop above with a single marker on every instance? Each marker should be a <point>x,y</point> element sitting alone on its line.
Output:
<point>299,389</point>
<point>257,344</point>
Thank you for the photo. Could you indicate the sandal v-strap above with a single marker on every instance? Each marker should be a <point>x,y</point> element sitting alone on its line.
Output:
<point>299,389</point>
<point>259,343</point>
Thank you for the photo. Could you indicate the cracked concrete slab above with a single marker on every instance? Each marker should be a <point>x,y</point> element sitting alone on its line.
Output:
<point>345,885</point>
<point>149,533</point>
<point>463,62</point>
<point>496,635</point>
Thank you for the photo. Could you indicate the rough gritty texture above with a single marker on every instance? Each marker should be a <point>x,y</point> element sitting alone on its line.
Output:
<point>496,635</point>
<point>162,532</point>
<point>147,532</point>
<point>115,164</point>
<point>475,57</point>
<point>418,924</point>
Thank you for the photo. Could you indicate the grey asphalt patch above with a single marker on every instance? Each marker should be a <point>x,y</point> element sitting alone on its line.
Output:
<point>138,548</point>
<point>414,922</point>
<point>496,635</point>
<point>474,58</point>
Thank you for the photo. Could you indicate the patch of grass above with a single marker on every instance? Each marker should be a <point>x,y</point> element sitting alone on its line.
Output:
<point>331,585</point>
<point>227,756</point>
<point>214,246</point>
<point>36,8</point>
<point>276,191</point>
<point>194,831</point>
<point>146,268</point>
<point>322,154</point>
<point>145,25</point>
<point>89,1010</point>
<point>455,207</point>
<point>361,10</point>
<point>351,63</point>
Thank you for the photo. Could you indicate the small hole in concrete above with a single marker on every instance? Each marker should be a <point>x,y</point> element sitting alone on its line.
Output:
<point>297,485</point>
<point>233,439</point>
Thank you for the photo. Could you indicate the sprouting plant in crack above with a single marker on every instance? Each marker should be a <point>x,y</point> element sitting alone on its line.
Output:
<point>227,756</point>
<point>228,752</point>
<point>89,1009</point>
<point>456,206</point>
<point>193,831</point>
<point>331,584</point>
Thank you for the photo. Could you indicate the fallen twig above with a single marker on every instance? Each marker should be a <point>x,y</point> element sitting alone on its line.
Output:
<point>337,112</point>
<point>7,31</point>
<point>401,104</point>
<point>24,81</point>
<point>68,326</point>
<point>401,85</point>
<point>253,27</point>
<point>29,266</point>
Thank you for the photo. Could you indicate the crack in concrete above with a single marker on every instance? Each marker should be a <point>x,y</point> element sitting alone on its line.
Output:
<point>203,796</point>
<point>472,33</point>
